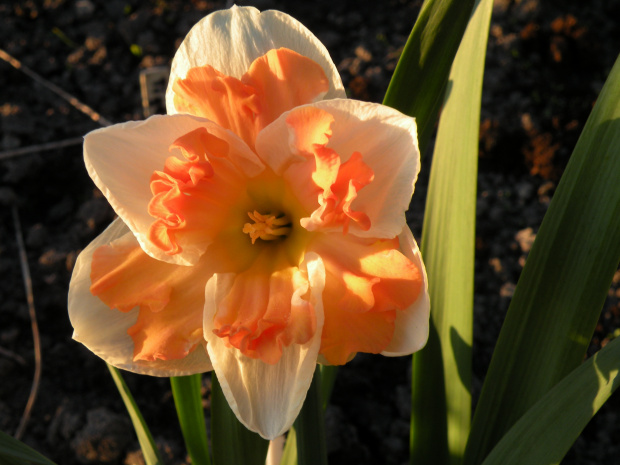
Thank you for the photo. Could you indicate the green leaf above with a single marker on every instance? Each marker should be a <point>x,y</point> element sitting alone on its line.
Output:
<point>231,442</point>
<point>417,86</point>
<point>563,285</point>
<point>14,452</point>
<point>149,449</point>
<point>188,401</point>
<point>328,378</point>
<point>440,424</point>
<point>546,432</point>
<point>310,426</point>
<point>289,456</point>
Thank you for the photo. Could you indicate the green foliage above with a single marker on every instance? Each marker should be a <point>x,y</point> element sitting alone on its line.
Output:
<point>417,86</point>
<point>188,402</point>
<point>14,452</point>
<point>149,449</point>
<point>564,283</point>
<point>546,432</point>
<point>231,442</point>
<point>448,242</point>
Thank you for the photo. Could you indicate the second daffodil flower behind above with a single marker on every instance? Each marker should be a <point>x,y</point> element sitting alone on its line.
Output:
<point>261,223</point>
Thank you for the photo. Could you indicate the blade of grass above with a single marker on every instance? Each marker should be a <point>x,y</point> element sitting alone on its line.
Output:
<point>448,243</point>
<point>188,402</point>
<point>310,426</point>
<point>149,449</point>
<point>231,442</point>
<point>16,452</point>
<point>417,86</point>
<point>564,283</point>
<point>546,432</point>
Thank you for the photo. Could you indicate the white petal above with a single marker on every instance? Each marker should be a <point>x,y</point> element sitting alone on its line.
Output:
<point>411,326</point>
<point>266,398</point>
<point>104,331</point>
<point>230,40</point>
<point>387,140</point>
<point>121,159</point>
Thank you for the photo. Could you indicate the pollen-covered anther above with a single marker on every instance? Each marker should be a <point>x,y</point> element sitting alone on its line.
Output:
<point>267,227</point>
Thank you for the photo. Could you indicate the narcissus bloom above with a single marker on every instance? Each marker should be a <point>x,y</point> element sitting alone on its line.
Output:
<point>261,223</point>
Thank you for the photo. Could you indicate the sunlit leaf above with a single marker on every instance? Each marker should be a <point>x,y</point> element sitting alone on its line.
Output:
<point>417,86</point>
<point>440,424</point>
<point>149,449</point>
<point>546,432</point>
<point>188,402</point>
<point>564,283</point>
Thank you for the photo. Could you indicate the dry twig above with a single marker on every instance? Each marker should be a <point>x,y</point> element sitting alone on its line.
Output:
<point>35,327</point>
<point>40,148</point>
<point>12,355</point>
<point>54,88</point>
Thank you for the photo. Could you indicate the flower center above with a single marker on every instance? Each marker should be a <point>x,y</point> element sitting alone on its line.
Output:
<point>267,227</point>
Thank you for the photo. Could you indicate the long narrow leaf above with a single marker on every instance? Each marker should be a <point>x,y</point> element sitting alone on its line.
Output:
<point>562,288</point>
<point>13,451</point>
<point>546,432</point>
<point>149,449</point>
<point>188,402</point>
<point>448,243</point>
<point>231,442</point>
<point>417,86</point>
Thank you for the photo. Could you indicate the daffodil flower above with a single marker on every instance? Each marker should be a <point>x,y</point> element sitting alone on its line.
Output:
<point>261,223</point>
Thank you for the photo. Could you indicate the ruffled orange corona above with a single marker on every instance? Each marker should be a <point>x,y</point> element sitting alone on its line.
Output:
<point>261,223</point>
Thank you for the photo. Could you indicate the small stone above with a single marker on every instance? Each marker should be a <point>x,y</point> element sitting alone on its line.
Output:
<point>36,236</point>
<point>104,439</point>
<point>525,238</point>
<point>507,290</point>
<point>7,196</point>
<point>84,9</point>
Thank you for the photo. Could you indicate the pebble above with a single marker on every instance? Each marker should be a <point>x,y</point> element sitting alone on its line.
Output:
<point>104,439</point>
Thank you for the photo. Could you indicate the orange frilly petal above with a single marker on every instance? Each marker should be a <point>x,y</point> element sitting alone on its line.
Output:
<point>275,82</point>
<point>264,310</point>
<point>193,199</point>
<point>338,182</point>
<point>170,298</point>
<point>367,283</point>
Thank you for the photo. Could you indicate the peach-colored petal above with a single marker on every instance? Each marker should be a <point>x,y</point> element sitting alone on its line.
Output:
<point>267,397</point>
<point>104,331</point>
<point>367,283</point>
<point>386,140</point>
<point>121,159</point>
<point>169,324</point>
<point>336,183</point>
<point>275,82</point>
<point>411,325</point>
<point>194,200</point>
<point>264,310</point>
<point>230,40</point>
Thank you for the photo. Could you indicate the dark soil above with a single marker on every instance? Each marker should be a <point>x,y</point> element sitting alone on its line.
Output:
<point>546,63</point>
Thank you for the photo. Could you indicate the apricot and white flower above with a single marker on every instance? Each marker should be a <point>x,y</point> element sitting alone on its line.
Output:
<point>261,223</point>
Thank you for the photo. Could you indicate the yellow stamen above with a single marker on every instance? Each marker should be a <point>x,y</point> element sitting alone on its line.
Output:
<point>267,227</point>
